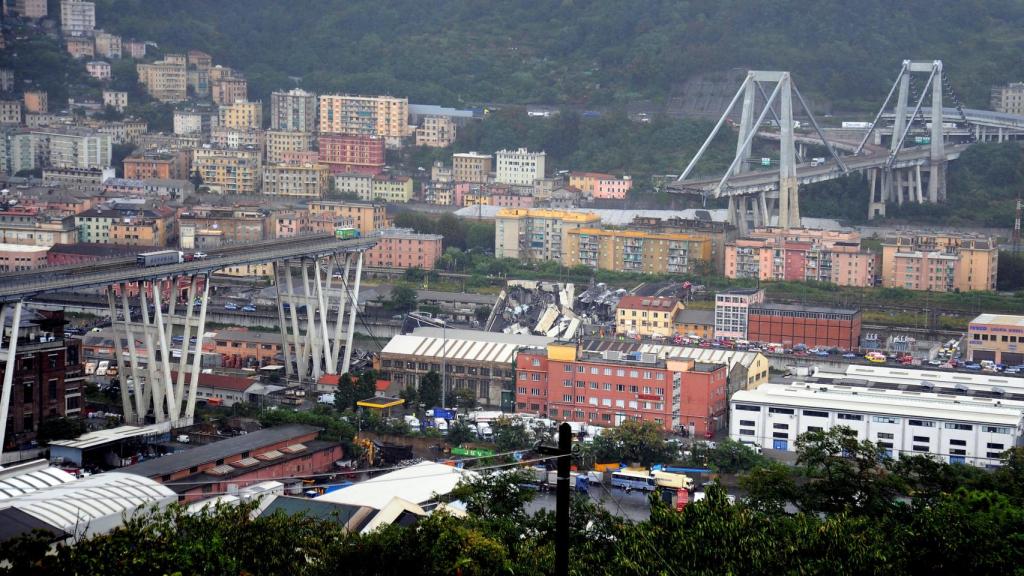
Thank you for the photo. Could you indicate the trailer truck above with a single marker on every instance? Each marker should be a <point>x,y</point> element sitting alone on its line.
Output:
<point>159,258</point>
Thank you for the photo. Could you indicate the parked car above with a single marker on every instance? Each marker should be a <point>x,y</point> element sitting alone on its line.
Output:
<point>231,306</point>
<point>248,308</point>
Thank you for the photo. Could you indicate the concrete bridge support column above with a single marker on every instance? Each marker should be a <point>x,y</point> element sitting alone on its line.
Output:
<point>346,292</point>
<point>286,346</point>
<point>122,373</point>
<point>193,385</point>
<point>9,368</point>
<point>918,188</point>
<point>763,215</point>
<point>789,200</point>
<point>141,401</point>
<point>347,363</point>
<point>876,193</point>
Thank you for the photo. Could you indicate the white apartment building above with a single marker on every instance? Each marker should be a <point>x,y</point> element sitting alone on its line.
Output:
<point>6,79</point>
<point>77,18</point>
<point>732,309</point>
<point>30,8</point>
<point>354,183</point>
<point>436,132</point>
<point>958,431</point>
<point>10,112</point>
<point>293,111</point>
<point>115,99</point>
<point>520,167</point>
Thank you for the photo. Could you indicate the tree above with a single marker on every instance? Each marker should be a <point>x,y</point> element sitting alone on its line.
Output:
<point>770,487</point>
<point>345,394</point>
<point>459,433</point>
<point>730,457</point>
<point>430,389</point>
<point>844,473</point>
<point>402,299</point>
<point>496,495</point>
<point>464,398</point>
<point>61,428</point>
<point>510,435</point>
<point>410,396</point>
<point>366,386</point>
<point>634,441</point>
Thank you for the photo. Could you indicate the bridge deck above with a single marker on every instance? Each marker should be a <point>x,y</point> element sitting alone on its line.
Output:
<point>103,273</point>
<point>766,180</point>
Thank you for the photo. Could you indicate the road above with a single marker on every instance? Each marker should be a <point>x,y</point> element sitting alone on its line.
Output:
<point>22,286</point>
<point>767,180</point>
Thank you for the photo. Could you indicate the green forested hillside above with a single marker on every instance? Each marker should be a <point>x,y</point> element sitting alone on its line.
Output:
<point>583,52</point>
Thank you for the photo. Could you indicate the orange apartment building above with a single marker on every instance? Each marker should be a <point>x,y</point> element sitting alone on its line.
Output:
<point>403,248</point>
<point>244,349</point>
<point>157,165</point>
<point>365,216</point>
<point>940,263</point>
<point>801,255</point>
<point>352,153</point>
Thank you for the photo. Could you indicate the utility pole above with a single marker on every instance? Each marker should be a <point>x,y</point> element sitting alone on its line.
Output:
<point>1016,227</point>
<point>562,496</point>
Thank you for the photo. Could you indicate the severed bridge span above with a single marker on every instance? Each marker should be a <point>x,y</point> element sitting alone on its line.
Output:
<point>147,304</point>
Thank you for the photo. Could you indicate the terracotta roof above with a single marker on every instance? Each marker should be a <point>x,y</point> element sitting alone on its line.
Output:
<point>330,379</point>
<point>222,381</point>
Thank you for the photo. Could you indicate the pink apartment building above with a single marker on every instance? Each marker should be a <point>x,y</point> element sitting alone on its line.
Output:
<point>829,256</point>
<point>403,248</point>
<point>601,186</point>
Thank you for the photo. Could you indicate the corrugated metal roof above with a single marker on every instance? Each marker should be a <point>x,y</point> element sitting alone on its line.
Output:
<point>74,506</point>
<point>32,480</point>
<point>710,355</point>
<point>482,348</point>
<point>101,437</point>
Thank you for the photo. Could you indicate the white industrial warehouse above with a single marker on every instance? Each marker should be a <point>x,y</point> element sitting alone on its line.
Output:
<point>958,430</point>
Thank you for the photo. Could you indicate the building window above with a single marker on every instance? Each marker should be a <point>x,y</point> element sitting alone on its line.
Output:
<point>997,429</point>
<point>776,410</point>
<point>885,419</point>
<point>956,426</point>
<point>747,408</point>
<point>815,413</point>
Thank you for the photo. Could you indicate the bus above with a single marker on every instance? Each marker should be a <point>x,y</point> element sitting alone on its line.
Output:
<point>633,480</point>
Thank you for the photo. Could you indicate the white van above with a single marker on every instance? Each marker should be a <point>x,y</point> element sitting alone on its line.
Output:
<point>101,368</point>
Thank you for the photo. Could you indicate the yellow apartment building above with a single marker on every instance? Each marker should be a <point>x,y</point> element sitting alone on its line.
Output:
<point>636,251</point>
<point>537,234</point>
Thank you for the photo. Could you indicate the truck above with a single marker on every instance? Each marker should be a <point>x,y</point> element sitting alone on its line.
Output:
<point>856,124</point>
<point>159,258</point>
<point>346,233</point>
